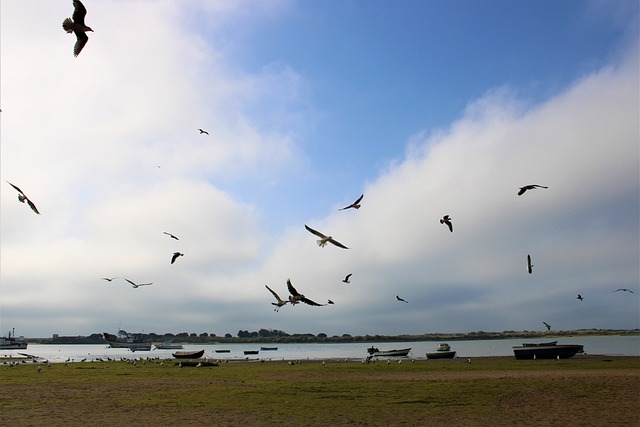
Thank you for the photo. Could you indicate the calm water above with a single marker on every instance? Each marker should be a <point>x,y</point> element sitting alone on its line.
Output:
<point>608,345</point>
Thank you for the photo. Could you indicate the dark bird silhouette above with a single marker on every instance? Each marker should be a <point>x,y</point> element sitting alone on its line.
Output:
<point>175,256</point>
<point>447,220</point>
<point>297,297</point>
<point>624,290</point>
<point>203,131</point>
<point>547,325</point>
<point>330,302</point>
<point>400,299</point>
<point>354,205</point>
<point>529,187</point>
<point>529,265</point>
<point>108,279</point>
<point>136,285</point>
<point>279,303</point>
<point>580,297</point>
<point>23,198</point>
<point>346,279</point>
<point>324,239</point>
<point>77,26</point>
<point>170,235</point>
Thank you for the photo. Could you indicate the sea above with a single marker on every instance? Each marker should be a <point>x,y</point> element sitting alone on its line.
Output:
<point>54,353</point>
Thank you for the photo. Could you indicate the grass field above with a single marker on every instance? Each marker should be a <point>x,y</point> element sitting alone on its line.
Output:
<point>585,390</point>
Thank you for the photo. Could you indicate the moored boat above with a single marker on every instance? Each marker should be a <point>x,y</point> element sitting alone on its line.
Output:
<point>188,354</point>
<point>11,343</point>
<point>268,348</point>
<point>549,350</point>
<point>443,351</point>
<point>251,351</point>
<point>133,342</point>
<point>169,345</point>
<point>223,350</point>
<point>403,352</point>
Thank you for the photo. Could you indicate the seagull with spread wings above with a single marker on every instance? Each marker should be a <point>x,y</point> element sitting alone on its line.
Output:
<point>548,326</point>
<point>529,187</point>
<point>77,26</point>
<point>108,279</point>
<point>447,220</point>
<point>279,303</point>
<point>346,279</point>
<point>202,131</point>
<point>297,297</point>
<point>170,235</point>
<point>400,299</point>
<point>580,297</point>
<point>175,256</point>
<point>624,290</point>
<point>137,285</point>
<point>23,198</point>
<point>324,239</point>
<point>354,205</point>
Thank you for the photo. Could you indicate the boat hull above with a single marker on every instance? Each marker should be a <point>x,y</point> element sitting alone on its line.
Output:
<point>441,355</point>
<point>186,354</point>
<point>564,351</point>
<point>403,352</point>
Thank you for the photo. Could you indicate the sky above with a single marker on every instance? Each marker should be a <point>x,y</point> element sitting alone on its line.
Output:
<point>427,108</point>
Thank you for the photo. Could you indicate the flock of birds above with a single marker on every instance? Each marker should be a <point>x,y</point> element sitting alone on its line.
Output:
<point>76,25</point>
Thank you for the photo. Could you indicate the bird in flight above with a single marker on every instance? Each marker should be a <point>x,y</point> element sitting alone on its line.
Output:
<point>330,302</point>
<point>354,205</point>
<point>23,198</point>
<point>447,220</point>
<point>170,235</point>
<point>297,297</point>
<point>529,265</point>
<point>547,325</point>
<point>580,297</point>
<point>203,131</point>
<point>76,25</point>
<point>108,279</point>
<point>279,303</point>
<point>624,290</point>
<point>529,187</point>
<point>400,299</point>
<point>136,285</point>
<point>346,279</point>
<point>175,256</point>
<point>324,239</point>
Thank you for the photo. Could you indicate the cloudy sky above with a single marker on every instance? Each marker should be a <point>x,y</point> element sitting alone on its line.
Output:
<point>426,107</point>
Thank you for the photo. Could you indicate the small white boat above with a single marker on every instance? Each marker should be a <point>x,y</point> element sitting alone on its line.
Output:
<point>169,345</point>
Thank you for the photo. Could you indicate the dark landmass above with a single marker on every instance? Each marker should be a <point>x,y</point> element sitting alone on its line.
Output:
<point>276,336</point>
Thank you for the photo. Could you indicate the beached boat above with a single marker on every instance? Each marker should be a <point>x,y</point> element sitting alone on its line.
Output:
<point>443,351</point>
<point>169,345</point>
<point>133,342</point>
<point>268,348</point>
<point>403,352</point>
<point>251,351</point>
<point>11,343</point>
<point>188,354</point>
<point>223,350</point>
<point>549,350</point>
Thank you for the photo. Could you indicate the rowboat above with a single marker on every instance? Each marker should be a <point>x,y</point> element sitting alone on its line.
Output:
<point>251,351</point>
<point>268,348</point>
<point>403,352</point>
<point>549,350</point>
<point>188,354</point>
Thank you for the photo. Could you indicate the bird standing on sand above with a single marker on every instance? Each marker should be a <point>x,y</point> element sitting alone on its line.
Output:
<point>447,220</point>
<point>170,235</point>
<point>279,303</point>
<point>297,297</point>
<point>547,325</point>
<point>77,26</point>
<point>529,187</point>
<point>203,132</point>
<point>23,198</point>
<point>136,285</point>
<point>324,239</point>
<point>354,205</point>
<point>175,256</point>
<point>529,265</point>
<point>580,297</point>
<point>346,279</point>
<point>400,299</point>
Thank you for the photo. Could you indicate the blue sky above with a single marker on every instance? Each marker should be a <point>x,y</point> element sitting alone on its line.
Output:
<point>425,107</point>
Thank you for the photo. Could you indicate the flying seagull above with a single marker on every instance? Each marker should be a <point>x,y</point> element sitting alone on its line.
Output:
<point>580,297</point>
<point>324,239</point>
<point>447,220</point>
<point>170,235</point>
<point>547,325</point>
<point>346,279</point>
<point>136,285</point>
<point>296,297</point>
<point>400,299</point>
<point>529,265</point>
<point>354,205</point>
<point>23,198</point>
<point>76,25</point>
<point>624,290</point>
<point>529,187</point>
<point>203,131</point>
<point>108,279</point>
<point>175,256</point>
<point>280,301</point>
<point>330,302</point>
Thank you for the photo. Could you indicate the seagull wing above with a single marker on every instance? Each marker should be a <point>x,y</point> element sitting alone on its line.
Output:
<point>346,279</point>
<point>19,190</point>
<point>359,200</point>
<point>317,233</point>
<point>274,294</point>
<point>134,285</point>
<point>82,39</point>
<point>32,206</point>
<point>309,302</point>
<point>338,244</point>
<point>292,290</point>
<point>79,12</point>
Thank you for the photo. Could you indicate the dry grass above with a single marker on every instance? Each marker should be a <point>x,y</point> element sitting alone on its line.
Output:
<point>490,391</point>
